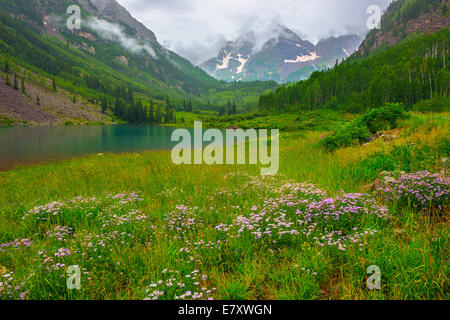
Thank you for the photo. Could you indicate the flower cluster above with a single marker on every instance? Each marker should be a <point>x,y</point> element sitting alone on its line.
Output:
<point>178,286</point>
<point>10,288</point>
<point>60,233</point>
<point>422,190</point>
<point>17,244</point>
<point>183,220</point>
<point>302,210</point>
<point>84,204</point>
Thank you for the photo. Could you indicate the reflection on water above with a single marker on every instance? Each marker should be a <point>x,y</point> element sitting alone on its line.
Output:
<point>29,145</point>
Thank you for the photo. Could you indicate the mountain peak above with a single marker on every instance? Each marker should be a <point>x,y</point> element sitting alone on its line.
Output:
<point>282,56</point>
<point>112,11</point>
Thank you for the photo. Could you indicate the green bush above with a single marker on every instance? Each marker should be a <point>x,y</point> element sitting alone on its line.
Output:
<point>436,104</point>
<point>348,135</point>
<point>384,118</point>
<point>360,129</point>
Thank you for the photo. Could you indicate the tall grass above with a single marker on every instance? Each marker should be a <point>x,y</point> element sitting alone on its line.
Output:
<point>139,215</point>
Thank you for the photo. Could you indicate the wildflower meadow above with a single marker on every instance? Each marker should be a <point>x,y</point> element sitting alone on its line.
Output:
<point>139,227</point>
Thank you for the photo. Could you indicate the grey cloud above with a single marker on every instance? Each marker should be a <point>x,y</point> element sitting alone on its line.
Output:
<point>114,32</point>
<point>193,27</point>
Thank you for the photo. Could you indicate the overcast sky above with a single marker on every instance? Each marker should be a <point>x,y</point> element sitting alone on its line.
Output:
<point>196,29</point>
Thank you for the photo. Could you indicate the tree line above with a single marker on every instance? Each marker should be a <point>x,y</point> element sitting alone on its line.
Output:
<point>413,71</point>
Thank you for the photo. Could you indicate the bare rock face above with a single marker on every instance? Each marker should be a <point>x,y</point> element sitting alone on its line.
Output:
<point>114,12</point>
<point>284,57</point>
<point>427,23</point>
<point>122,59</point>
<point>14,106</point>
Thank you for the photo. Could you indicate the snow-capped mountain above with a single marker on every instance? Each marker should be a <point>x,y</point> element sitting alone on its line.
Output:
<point>284,57</point>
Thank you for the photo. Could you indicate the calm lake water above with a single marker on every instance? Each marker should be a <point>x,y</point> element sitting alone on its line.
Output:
<point>31,145</point>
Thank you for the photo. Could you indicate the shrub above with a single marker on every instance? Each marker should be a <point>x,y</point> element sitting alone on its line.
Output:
<point>384,118</point>
<point>361,128</point>
<point>348,135</point>
<point>436,104</point>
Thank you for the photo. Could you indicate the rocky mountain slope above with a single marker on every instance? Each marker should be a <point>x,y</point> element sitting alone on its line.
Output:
<point>283,58</point>
<point>406,62</point>
<point>404,18</point>
<point>111,57</point>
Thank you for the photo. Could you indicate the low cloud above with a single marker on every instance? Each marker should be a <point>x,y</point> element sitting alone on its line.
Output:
<point>114,32</point>
<point>190,26</point>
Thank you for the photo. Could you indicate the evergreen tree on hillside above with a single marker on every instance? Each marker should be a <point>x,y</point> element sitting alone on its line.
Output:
<point>38,101</point>
<point>151,112</point>
<point>167,102</point>
<point>7,80</point>
<point>131,113</point>
<point>229,109</point>
<point>234,108</point>
<point>16,85</point>
<point>104,104</point>
<point>54,84</point>
<point>118,108</point>
<point>146,114</point>
<point>413,71</point>
<point>6,66</point>
<point>158,115</point>
<point>22,85</point>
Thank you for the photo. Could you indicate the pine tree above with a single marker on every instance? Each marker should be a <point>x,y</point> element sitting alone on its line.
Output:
<point>158,115</point>
<point>117,108</point>
<point>7,81</point>
<point>6,66</point>
<point>167,102</point>
<point>230,111</point>
<point>234,108</point>
<point>104,105</point>
<point>16,85</point>
<point>38,101</point>
<point>54,84</point>
<point>151,112</point>
<point>74,99</point>
<point>22,85</point>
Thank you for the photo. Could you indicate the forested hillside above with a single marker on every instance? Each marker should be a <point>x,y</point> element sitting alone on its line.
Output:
<point>413,71</point>
<point>405,17</point>
<point>119,72</point>
<point>416,69</point>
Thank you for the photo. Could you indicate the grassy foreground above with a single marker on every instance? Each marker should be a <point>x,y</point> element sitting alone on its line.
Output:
<point>143,228</point>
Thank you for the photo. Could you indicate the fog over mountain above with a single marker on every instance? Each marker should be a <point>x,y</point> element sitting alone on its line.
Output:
<point>198,29</point>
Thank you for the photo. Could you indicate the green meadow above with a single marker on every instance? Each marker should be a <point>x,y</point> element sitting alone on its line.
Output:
<point>140,227</point>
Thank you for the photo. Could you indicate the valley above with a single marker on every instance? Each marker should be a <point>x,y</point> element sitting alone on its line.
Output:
<point>94,207</point>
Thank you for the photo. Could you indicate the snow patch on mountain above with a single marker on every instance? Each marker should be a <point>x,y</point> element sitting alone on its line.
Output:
<point>225,62</point>
<point>242,62</point>
<point>312,56</point>
<point>346,52</point>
